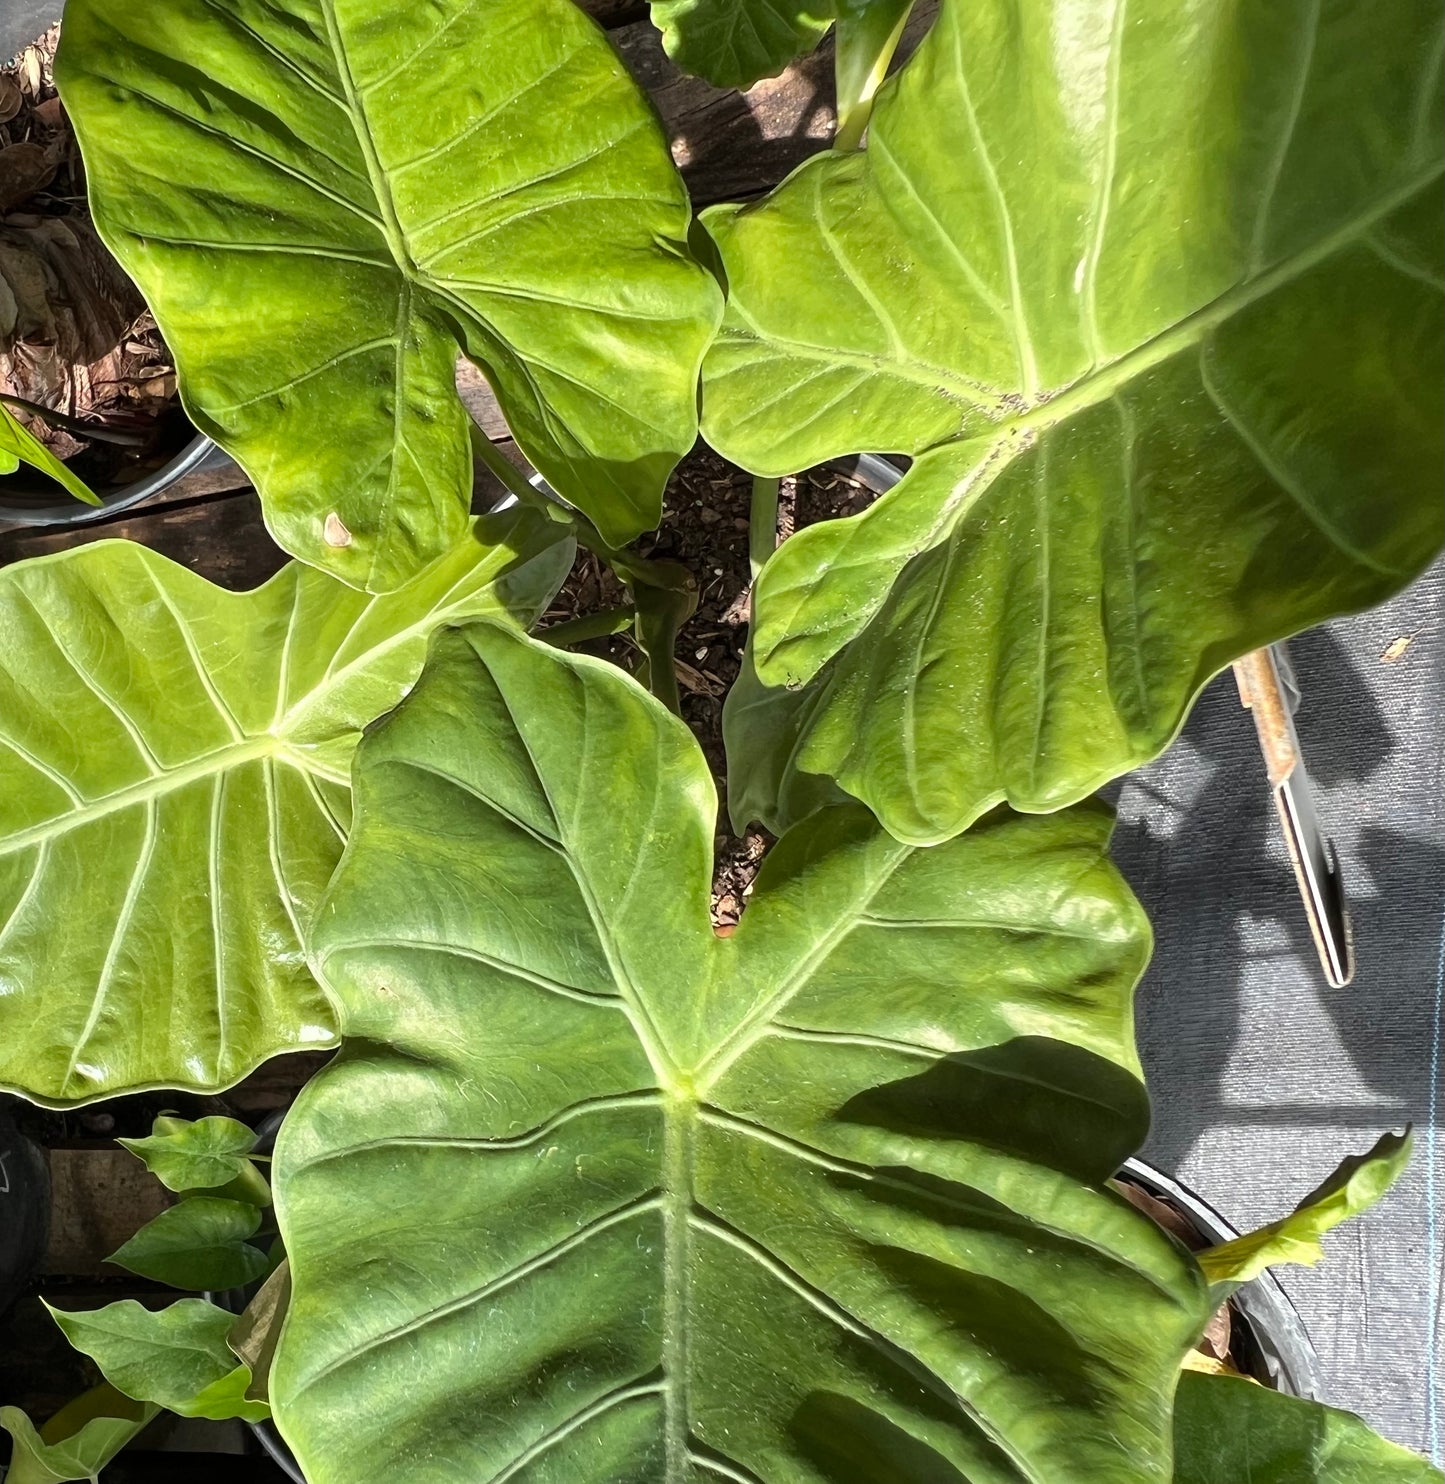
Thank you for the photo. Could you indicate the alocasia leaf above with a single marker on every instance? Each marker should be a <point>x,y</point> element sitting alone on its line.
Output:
<point>1358,1183</point>
<point>176,1357</point>
<point>174,792</point>
<point>1230,1431</point>
<point>18,445</point>
<point>204,1155</point>
<point>625,1200</point>
<point>323,200</point>
<point>1157,309</point>
<point>200,1244</point>
<point>78,1441</point>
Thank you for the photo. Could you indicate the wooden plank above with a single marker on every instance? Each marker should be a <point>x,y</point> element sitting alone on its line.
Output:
<point>99,1198</point>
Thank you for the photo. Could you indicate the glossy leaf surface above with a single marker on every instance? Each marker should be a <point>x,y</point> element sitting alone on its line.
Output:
<point>1230,1431</point>
<point>1157,308</point>
<point>174,792</point>
<point>200,1244</point>
<point>176,1357</point>
<point>77,1442</point>
<point>1357,1185</point>
<point>594,1195</point>
<point>323,200</point>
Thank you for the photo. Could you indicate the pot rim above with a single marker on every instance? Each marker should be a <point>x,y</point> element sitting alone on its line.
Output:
<point>72,512</point>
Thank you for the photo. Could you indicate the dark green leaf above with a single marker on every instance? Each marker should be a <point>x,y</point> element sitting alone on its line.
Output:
<point>323,200</point>
<point>624,1200</point>
<point>1230,1431</point>
<point>199,1244</point>
<point>1157,309</point>
<point>176,1357</point>
<point>174,791</point>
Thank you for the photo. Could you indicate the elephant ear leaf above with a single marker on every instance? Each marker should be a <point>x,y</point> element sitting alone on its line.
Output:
<point>822,1199</point>
<point>174,770</point>
<point>210,1154</point>
<point>1171,394</point>
<point>734,43</point>
<point>1228,1430</point>
<point>1358,1184</point>
<point>399,182</point>
<point>200,1244</point>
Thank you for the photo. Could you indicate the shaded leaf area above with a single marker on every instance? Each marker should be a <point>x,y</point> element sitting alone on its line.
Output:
<point>1231,1431</point>
<point>174,793</point>
<point>821,1200</point>
<point>1156,308</point>
<point>399,182</point>
<point>176,1357</point>
<point>733,43</point>
<point>78,1441</point>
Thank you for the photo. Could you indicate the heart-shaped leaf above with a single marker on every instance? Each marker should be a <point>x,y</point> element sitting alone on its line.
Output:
<point>626,1200</point>
<point>176,1357</point>
<point>323,201</point>
<point>203,1155</point>
<point>1157,309</point>
<point>174,768</point>
<point>200,1244</point>
<point>1231,1431</point>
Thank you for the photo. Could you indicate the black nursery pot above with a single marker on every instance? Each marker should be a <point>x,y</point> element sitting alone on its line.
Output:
<point>24,1210</point>
<point>1269,1336</point>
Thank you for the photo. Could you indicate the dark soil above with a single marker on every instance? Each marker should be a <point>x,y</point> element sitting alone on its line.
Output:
<point>705,528</point>
<point>75,336</point>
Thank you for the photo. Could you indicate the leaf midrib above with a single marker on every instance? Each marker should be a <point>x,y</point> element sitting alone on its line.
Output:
<point>144,790</point>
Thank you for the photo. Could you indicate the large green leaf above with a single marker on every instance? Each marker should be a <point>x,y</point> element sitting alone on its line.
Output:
<point>1230,1431</point>
<point>323,199</point>
<point>174,764</point>
<point>592,1195</point>
<point>176,1357</point>
<point>1156,306</point>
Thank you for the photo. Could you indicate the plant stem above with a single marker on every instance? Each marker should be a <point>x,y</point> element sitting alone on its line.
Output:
<point>74,425</point>
<point>589,626</point>
<point>865,38</point>
<point>506,471</point>
<point>762,523</point>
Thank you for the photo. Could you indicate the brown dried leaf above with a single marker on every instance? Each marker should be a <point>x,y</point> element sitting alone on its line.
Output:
<point>24,170</point>
<point>10,99</point>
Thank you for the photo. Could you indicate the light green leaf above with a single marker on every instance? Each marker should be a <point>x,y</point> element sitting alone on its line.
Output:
<point>211,1152</point>
<point>1157,309</point>
<point>176,1357</point>
<point>198,1244</point>
<point>18,445</point>
<point>625,1200</point>
<point>1230,1431</point>
<point>77,1442</point>
<point>1357,1185</point>
<point>323,200</point>
<point>174,766</point>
